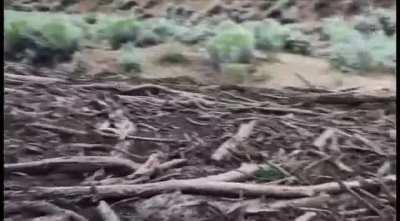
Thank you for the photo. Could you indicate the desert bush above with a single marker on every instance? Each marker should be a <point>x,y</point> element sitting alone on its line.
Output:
<point>119,31</point>
<point>147,37</point>
<point>15,37</point>
<point>41,36</point>
<point>195,35</point>
<point>55,40</point>
<point>167,29</point>
<point>232,44</point>
<point>367,24</point>
<point>336,30</point>
<point>387,18</point>
<point>131,59</point>
<point>298,43</point>
<point>270,35</point>
<point>366,53</point>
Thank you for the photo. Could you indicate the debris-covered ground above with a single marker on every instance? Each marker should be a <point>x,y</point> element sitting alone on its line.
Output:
<point>175,150</point>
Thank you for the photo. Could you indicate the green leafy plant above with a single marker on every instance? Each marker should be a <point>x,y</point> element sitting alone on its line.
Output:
<point>233,44</point>
<point>131,59</point>
<point>268,174</point>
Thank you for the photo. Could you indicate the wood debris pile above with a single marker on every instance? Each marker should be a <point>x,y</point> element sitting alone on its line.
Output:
<point>146,150</point>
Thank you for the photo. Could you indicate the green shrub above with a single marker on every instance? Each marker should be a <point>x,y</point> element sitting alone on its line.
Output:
<point>120,31</point>
<point>337,30</point>
<point>298,43</point>
<point>56,39</point>
<point>366,53</point>
<point>270,35</point>
<point>131,59</point>
<point>387,18</point>
<point>195,35</point>
<point>167,29</point>
<point>15,37</point>
<point>233,44</point>
<point>43,37</point>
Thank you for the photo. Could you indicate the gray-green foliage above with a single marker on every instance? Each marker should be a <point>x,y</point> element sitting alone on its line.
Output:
<point>297,42</point>
<point>131,59</point>
<point>270,35</point>
<point>336,30</point>
<point>366,53</point>
<point>387,18</point>
<point>147,37</point>
<point>167,29</point>
<point>42,36</point>
<point>119,31</point>
<point>233,44</point>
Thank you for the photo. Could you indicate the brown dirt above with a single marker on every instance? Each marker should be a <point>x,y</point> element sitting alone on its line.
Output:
<point>271,74</point>
<point>47,119</point>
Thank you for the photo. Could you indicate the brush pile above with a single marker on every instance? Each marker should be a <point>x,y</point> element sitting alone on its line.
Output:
<point>172,149</point>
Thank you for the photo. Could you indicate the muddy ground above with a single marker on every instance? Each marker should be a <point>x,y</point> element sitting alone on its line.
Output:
<point>148,150</point>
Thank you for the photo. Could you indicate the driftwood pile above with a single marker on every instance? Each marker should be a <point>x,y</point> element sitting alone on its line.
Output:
<point>146,150</point>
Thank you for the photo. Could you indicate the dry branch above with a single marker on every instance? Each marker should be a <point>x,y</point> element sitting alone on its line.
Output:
<point>40,207</point>
<point>345,98</point>
<point>204,187</point>
<point>224,151</point>
<point>106,213</point>
<point>31,79</point>
<point>72,164</point>
<point>245,171</point>
<point>148,167</point>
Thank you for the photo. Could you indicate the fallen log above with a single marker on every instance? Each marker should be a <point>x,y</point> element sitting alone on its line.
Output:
<point>72,164</point>
<point>204,187</point>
